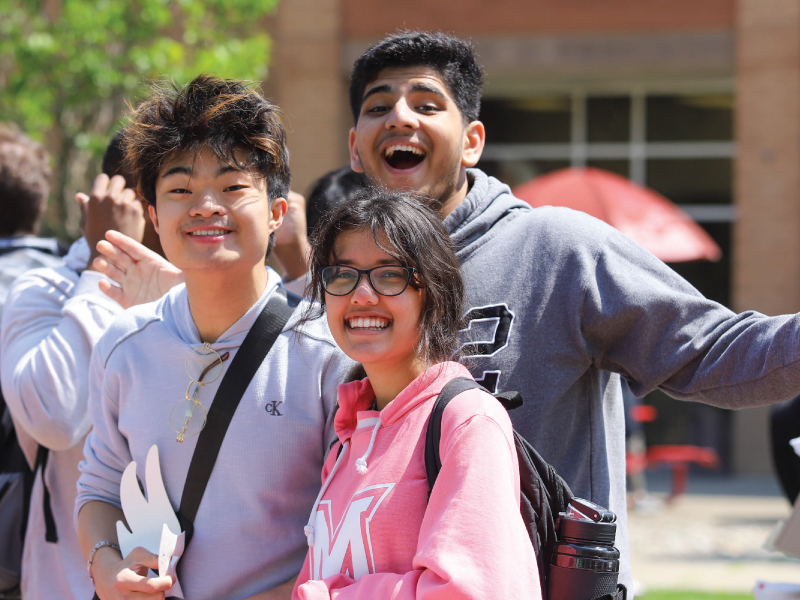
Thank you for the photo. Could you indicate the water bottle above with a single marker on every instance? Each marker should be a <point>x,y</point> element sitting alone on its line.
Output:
<point>585,563</point>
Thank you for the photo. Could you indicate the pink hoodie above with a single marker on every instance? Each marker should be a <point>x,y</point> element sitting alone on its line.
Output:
<point>377,536</point>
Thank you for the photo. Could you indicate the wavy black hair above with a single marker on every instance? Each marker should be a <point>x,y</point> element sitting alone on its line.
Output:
<point>405,228</point>
<point>452,57</point>
<point>24,181</point>
<point>229,117</point>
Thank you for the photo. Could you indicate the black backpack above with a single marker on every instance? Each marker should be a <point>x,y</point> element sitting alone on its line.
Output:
<point>543,493</point>
<point>16,482</point>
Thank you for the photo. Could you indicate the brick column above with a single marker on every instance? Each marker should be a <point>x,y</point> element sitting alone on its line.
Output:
<point>766,274</point>
<point>308,84</point>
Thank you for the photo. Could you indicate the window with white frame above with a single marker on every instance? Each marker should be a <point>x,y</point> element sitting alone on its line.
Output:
<point>680,144</point>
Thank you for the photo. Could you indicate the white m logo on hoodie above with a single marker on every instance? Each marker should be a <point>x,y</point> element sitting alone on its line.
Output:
<point>348,549</point>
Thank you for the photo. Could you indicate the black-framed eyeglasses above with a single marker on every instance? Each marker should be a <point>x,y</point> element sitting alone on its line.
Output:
<point>386,280</point>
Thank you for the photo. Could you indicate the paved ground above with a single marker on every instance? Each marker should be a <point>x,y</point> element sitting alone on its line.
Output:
<point>711,538</point>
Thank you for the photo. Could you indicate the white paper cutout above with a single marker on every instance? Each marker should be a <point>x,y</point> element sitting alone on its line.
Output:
<point>169,551</point>
<point>796,445</point>
<point>152,520</point>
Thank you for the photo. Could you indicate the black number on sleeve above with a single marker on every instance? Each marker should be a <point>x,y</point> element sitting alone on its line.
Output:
<point>502,319</point>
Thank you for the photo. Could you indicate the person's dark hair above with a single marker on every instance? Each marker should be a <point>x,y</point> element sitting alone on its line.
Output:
<point>453,58</point>
<point>114,157</point>
<point>331,190</point>
<point>408,230</point>
<point>223,115</point>
<point>24,182</point>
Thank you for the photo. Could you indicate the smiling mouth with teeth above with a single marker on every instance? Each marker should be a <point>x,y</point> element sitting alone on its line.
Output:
<point>368,323</point>
<point>210,232</point>
<point>399,156</point>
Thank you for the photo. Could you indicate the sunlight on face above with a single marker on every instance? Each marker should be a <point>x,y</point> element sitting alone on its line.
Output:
<point>211,216</point>
<point>377,331</point>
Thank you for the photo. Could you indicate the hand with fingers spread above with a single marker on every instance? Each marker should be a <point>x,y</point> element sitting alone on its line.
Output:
<point>291,239</point>
<point>127,578</point>
<point>141,274</point>
<point>110,205</point>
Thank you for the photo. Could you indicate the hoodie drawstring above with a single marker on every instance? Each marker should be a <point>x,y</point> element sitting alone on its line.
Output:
<point>309,528</point>
<point>361,467</point>
<point>361,463</point>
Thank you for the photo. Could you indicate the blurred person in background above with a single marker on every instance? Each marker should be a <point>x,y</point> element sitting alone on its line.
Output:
<point>52,319</point>
<point>325,194</point>
<point>24,187</point>
<point>330,191</point>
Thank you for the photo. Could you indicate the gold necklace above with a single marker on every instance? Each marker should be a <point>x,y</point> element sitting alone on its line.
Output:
<point>194,413</point>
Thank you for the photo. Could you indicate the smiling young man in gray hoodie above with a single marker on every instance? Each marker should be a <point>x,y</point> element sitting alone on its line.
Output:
<point>560,304</point>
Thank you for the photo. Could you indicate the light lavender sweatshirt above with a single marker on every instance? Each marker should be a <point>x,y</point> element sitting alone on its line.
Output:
<point>248,533</point>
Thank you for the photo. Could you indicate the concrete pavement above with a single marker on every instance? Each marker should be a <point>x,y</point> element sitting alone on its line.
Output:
<point>712,537</point>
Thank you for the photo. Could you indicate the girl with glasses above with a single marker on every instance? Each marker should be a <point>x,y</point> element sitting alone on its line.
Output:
<point>386,276</point>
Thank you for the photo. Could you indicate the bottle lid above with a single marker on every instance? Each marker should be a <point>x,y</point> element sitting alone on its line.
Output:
<point>587,531</point>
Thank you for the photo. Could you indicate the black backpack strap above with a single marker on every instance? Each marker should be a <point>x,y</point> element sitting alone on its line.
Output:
<point>620,594</point>
<point>433,435</point>
<point>248,359</point>
<point>509,400</point>
<point>9,444</point>
<point>50,533</point>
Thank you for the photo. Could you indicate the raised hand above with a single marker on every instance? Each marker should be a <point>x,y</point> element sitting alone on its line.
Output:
<point>110,205</point>
<point>141,274</point>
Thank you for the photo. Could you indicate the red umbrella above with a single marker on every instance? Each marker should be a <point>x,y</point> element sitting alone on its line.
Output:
<point>643,215</point>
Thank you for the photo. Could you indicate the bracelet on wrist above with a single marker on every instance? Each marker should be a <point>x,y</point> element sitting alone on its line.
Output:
<point>92,552</point>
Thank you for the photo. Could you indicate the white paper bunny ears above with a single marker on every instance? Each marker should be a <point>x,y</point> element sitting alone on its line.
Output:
<point>152,520</point>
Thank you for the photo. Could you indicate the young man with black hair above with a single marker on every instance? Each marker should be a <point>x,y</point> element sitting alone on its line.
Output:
<point>559,302</point>
<point>210,159</point>
<point>52,319</point>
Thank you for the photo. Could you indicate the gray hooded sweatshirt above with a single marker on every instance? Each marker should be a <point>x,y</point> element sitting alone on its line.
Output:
<point>559,303</point>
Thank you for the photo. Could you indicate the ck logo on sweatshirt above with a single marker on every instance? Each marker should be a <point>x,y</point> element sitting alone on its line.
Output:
<point>272,408</point>
<point>347,549</point>
<point>487,333</point>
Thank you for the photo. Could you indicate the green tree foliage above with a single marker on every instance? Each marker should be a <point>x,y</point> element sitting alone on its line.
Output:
<point>68,68</point>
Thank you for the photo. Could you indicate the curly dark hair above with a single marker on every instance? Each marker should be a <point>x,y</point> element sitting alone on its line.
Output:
<point>24,181</point>
<point>227,116</point>
<point>453,58</point>
<point>404,227</point>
